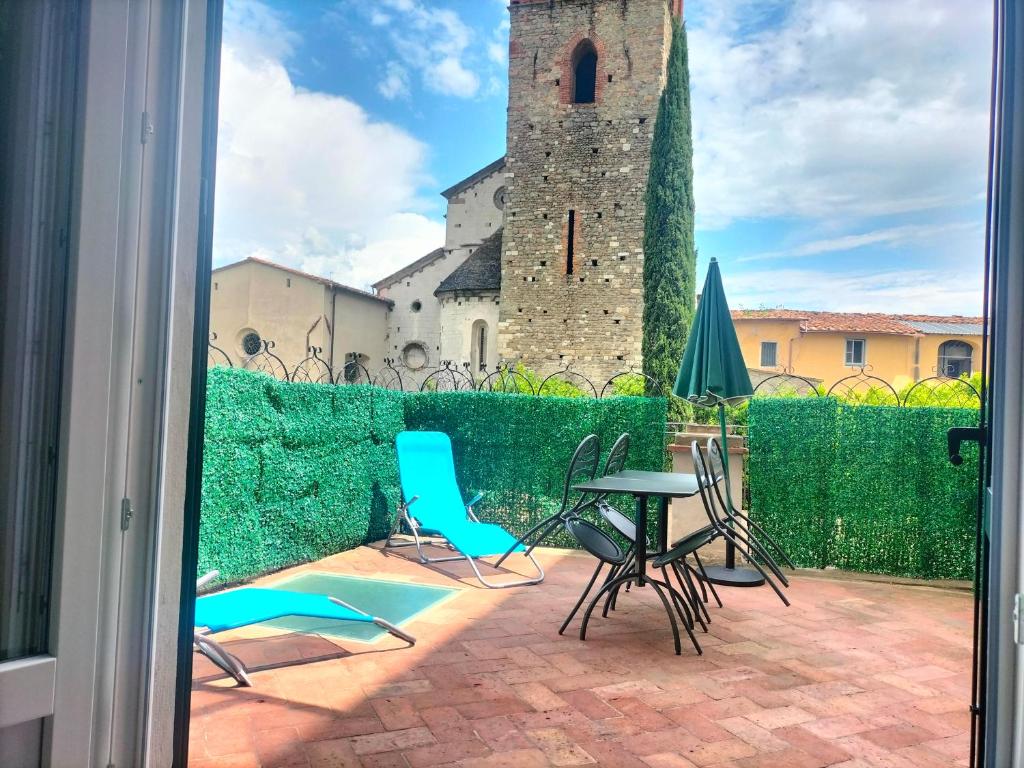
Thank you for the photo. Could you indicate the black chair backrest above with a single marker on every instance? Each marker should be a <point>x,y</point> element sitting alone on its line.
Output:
<point>617,456</point>
<point>622,524</point>
<point>595,541</point>
<point>715,463</point>
<point>707,483</point>
<point>582,467</point>
<point>718,467</point>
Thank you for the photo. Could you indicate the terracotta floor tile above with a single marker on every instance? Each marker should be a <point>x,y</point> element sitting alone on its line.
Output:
<point>853,674</point>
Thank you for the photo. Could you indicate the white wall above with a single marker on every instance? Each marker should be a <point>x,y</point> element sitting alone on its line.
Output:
<point>458,313</point>
<point>406,326</point>
<point>472,215</point>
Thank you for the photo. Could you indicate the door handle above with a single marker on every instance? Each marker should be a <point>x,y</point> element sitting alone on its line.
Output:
<point>957,435</point>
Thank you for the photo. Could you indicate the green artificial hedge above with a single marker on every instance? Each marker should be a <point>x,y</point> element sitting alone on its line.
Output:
<point>294,472</point>
<point>864,488</point>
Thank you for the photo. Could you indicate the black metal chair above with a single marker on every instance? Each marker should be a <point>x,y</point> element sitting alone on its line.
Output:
<point>626,528</point>
<point>718,467</point>
<point>718,515</point>
<point>600,545</point>
<point>582,467</point>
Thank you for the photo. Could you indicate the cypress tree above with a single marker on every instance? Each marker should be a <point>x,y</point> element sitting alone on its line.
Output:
<point>670,262</point>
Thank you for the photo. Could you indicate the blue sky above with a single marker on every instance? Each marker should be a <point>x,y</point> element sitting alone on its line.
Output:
<point>839,145</point>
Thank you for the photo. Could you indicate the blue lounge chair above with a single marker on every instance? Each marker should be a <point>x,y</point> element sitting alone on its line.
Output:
<point>250,605</point>
<point>433,507</point>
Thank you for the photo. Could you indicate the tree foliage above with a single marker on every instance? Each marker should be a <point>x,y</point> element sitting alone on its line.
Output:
<point>669,255</point>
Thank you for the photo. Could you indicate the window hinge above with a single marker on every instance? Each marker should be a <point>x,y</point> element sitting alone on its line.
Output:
<point>127,513</point>
<point>1017,616</point>
<point>147,127</point>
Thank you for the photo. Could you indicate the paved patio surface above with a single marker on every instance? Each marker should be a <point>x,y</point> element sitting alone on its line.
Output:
<point>854,674</point>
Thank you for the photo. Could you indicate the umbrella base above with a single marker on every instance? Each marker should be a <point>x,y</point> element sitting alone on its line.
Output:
<point>733,577</point>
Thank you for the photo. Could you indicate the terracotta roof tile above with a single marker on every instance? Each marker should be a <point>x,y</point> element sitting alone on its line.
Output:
<point>852,322</point>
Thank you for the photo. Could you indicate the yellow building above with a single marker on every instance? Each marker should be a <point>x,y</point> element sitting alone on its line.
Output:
<point>832,345</point>
<point>252,301</point>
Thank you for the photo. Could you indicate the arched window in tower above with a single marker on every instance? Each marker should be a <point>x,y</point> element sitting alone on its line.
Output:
<point>584,73</point>
<point>478,340</point>
<point>955,359</point>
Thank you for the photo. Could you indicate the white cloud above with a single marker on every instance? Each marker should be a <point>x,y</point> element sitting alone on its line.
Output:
<point>844,108</point>
<point>396,241</point>
<point>450,77</point>
<point>436,43</point>
<point>936,290</point>
<point>916,234</point>
<point>395,82</point>
<point>309,179</point>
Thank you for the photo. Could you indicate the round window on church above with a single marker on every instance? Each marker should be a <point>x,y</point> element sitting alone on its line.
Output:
<point>416,306</point>
<point>414,356</point>
<point>251,343</point>
<point>500,198</point>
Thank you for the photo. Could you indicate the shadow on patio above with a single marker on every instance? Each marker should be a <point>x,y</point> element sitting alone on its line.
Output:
<point>853,674</point>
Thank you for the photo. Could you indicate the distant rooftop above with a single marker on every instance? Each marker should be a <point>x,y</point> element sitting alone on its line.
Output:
<point>869,322</point>
<point>309,276</point>
<point>472,179</point>
<point>410,269</point>
<point>481,271</point>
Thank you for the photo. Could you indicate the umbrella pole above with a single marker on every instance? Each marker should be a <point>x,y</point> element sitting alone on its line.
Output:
<point>730,548</point>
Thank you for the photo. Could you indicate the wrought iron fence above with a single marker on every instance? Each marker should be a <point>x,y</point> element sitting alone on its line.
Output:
<point>860,388</point>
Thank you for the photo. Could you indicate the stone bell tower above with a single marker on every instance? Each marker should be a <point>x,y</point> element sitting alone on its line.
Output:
<point>585,77</point>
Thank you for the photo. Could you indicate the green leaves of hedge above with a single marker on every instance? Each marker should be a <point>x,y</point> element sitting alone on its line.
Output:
<point>864,488</point>
<point>294,472</point>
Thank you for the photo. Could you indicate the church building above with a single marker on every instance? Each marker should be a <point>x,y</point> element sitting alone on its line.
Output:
<point>543,256</point>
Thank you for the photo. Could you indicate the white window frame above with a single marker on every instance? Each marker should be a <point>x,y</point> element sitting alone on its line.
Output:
<point>863,352</point>
<point>774,346</point>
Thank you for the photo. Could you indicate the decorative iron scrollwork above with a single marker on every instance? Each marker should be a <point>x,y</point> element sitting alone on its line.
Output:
<point>448,378</point>
<point>864,389</point>
<point>215,356</point>
<point>505,378</point>
<point>389,377</point>
<point>573,378</point>
<point>265,361</point>
<point>314,369</point>
<point>649,386</point>
<point>785,383</point>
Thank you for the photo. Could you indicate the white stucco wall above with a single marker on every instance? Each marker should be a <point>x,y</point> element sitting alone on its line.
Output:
<point>458,314</point>
<point>472,214</point>
<point>406,326</point>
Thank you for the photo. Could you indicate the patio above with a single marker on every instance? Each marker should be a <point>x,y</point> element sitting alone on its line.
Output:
<point>854,674</point>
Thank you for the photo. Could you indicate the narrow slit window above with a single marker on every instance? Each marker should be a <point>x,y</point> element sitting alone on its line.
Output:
<point>570,243</point>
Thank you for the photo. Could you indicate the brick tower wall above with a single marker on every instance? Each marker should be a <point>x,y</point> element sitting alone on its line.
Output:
<point>589,158</point>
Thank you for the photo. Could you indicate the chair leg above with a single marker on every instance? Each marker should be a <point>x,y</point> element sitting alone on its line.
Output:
<point>686,569</point>
<point>583,596</point>
<point>762,533</point>
<point>220,656</point>
<point>704,579</point>
<point>611,585</point>
<point>683,600</point>
<point>670,610</point>
<point>687,587</point>
<point>545,523</point>
<point>757,567</point>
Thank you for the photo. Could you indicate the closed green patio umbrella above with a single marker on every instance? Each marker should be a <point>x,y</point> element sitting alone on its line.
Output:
<point>713,375</point>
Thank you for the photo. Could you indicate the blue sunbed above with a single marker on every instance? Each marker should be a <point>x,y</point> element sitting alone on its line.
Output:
<point>433,507</point>
<point>251,605</point>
